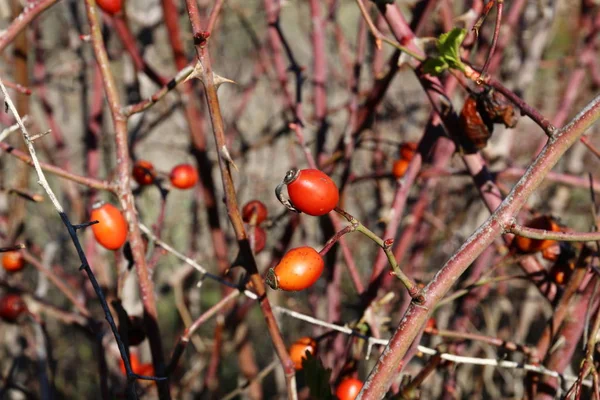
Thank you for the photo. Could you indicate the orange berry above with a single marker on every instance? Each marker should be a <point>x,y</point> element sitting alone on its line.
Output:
<point>400,167</point>
<point>111,230</point>
<point>299,269</point>
<point>12,261</point>
<point>299,348</point>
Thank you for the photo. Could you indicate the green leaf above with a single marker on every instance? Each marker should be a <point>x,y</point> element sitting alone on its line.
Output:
<point>448,45</point>
<point>434,66</point>
<point>317,377</point>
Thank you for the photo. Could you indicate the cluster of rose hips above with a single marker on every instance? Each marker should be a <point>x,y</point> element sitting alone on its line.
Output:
<point>561,254</point>
<point>314,193</point>
<point>12,305</point>
<point>406,153</point>
<point>111,229</point>
<point>182,176</point>
<point>255,213</point>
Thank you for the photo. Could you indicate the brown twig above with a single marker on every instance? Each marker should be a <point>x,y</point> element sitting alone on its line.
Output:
<point>245,256</point>
<point>123,190</point>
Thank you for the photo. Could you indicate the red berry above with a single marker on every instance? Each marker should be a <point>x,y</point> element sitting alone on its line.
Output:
<point>311,191</point>
<point>254,207</point>
<point>11,307</point>
<point>299,348</point>
<point>183,176</point>
<point>258,239</point>
<point>111,230</point>
<point>408,150</point>
<point>299,269</point>
<point>143,172</point>
<point>12,261</point>
<point>110,6</point>
<point>349,389</point>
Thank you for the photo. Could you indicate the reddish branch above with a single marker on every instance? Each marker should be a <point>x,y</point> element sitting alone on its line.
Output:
<point>416,315</point>
<point>245,256</point>
<point>83,180</point>
<point>123,190</point>
<point>29,13</point>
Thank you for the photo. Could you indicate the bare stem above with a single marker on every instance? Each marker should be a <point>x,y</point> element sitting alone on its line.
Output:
<point>386,245</point>
<point>542,234</point>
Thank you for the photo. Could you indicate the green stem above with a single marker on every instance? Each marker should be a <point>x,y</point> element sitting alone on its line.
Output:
<point>386,245</point>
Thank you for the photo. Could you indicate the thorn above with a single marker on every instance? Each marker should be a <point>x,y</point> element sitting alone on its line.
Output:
<point>84,225</point>
<point>39,135</point>
<point>198,71</point>
<point>219,80</point>
<point>378,43</point>
<point>225,154</point>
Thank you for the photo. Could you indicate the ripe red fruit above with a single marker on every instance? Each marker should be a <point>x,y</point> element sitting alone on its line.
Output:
<point>400,167</point>
<point>527,245</point>
<point>12,261</point>
<point>258,239</point>
<point>254,207</point>
<point>111,231</point>
<point>552,252</point>
<point>299,269</point>
<point>110,6</point>
<point>311,191</point>
<point>183,176</point>
<point>143,172</point>
<point>299,348</point>
<point>349,389</point>
<point>11,307</point>
<point>408,150</point>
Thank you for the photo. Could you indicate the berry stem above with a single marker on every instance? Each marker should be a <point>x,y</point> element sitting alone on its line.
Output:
<point>334,239</point>
<point>386,245</point>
